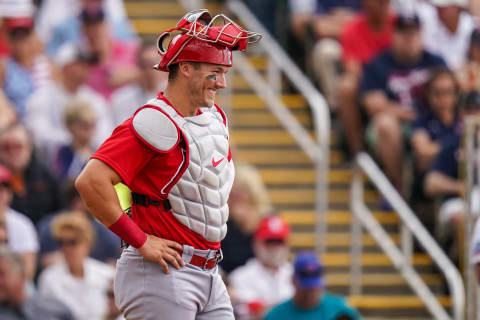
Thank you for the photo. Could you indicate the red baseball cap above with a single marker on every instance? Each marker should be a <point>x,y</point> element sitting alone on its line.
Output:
<point>5,175</point>
<point>272,227</point>
<point>19,22</point>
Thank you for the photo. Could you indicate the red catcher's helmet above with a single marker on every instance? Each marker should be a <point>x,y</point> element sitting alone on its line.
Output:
<point>202,40</point>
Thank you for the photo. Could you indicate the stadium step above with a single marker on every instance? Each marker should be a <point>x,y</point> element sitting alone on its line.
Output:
<point>250,101</point>
<point>306,196</point>
<point>259,139</point>
<point>393,306</point>
<point>264,119</point>
<point>307,217</point>
<point>299,176</point>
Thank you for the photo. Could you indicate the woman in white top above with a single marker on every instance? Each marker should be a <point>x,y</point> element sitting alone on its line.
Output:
<point>79,282</point>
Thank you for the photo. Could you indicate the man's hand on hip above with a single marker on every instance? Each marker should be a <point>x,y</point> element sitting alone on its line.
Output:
<point>162,251</point>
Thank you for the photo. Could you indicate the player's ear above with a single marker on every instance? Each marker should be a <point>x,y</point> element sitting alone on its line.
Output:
<point>186,69</point>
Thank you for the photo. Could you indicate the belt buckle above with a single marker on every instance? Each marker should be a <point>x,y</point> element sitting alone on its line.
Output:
<point>217,257</point>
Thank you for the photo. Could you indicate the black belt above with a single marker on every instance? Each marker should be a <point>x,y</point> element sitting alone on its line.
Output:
<point>145,201</point>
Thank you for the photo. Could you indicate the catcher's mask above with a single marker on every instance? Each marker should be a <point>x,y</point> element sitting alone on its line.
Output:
<point>202,38</point>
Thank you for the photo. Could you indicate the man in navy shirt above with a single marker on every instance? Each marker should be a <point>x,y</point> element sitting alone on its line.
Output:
<point>390,84</point>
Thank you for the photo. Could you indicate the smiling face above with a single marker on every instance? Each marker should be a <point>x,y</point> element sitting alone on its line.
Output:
<point>204,82</point>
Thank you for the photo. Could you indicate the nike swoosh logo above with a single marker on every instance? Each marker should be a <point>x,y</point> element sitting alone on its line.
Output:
<point>216,163</point>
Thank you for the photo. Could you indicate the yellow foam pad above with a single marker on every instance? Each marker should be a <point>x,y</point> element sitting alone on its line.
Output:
<point>124,195</point>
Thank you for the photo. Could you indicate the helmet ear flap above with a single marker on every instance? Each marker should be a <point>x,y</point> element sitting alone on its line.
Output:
<point>160,43</point>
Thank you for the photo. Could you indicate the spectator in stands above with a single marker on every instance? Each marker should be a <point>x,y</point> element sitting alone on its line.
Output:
<point>443,180</point>
<point>79,282</point>
<point>438,120</point>
<point>106,247</point>
<point>327,20</point>
<point>310,300</point>
<point>12,9</point>
<point>15,304</point>
<point>59,23</point>
<point>248,203</point>
<point>46,107</point>
<point>35,191</point>
<point>19,231</point>
<point>264,281</point>
<point>126,100</point>
<point>391,82</point>
<point>27,68</point>
<point>469,74</point>
<point>80,120</point>
<point>447,29</point>
<point>116,65</point>
<point>367,35</point>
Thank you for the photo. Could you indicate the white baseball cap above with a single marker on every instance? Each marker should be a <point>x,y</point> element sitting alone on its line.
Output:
<point>69,53</point>
<point>445,3</point>
<point>16,8</point>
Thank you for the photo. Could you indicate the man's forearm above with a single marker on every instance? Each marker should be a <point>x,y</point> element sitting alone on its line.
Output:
<point>96,186</point>
<point>438,184</point>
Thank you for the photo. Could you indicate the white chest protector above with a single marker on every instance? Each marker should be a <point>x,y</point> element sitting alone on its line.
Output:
<point>199,198</point>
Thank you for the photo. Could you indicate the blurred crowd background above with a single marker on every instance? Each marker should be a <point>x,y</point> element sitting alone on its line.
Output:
<point>399,78</point>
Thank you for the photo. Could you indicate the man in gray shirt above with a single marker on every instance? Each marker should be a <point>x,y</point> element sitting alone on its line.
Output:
<point>15,304</point>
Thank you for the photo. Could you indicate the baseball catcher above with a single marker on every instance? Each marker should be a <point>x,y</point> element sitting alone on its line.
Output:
<point>174,156</point>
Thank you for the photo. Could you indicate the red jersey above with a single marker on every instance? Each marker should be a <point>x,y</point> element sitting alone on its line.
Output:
<point>147,171</point>
<point>361,43</point>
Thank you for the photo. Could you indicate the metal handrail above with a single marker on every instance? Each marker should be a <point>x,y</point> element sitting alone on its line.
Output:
<point>366,164</point>
<point>472,159</point>
<point>317,152</point>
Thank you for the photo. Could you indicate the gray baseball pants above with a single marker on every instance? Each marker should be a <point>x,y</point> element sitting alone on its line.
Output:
<point>144,292</point>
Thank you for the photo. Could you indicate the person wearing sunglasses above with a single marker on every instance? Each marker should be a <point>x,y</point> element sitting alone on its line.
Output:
<point>36,192</point>
<point>310,300</point>
<point>78,281</point>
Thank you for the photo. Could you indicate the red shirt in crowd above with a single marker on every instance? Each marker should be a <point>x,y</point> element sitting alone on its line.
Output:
<point>147,171</point>
<point>3,45</point>
<point>361,43</point>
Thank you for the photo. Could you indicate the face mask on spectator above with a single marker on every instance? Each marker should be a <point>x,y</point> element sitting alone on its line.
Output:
<point>272,255</point>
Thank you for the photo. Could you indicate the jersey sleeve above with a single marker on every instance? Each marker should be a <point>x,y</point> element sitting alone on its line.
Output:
<point>374,78</point>
<point>124,153</point>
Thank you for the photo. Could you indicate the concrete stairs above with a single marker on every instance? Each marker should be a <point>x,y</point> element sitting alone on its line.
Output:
<point>289,175</point>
